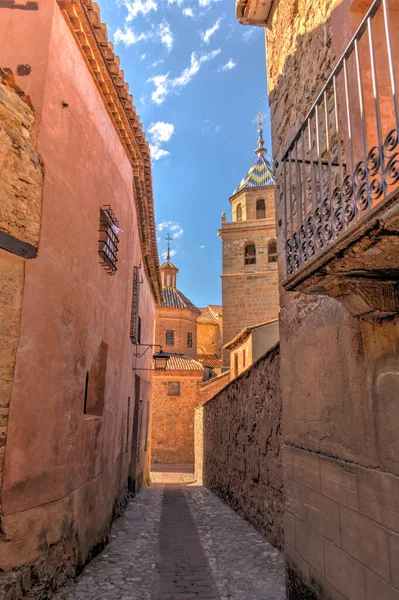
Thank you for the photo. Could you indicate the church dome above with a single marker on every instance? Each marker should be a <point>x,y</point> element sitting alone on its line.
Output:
<point>259,175</point>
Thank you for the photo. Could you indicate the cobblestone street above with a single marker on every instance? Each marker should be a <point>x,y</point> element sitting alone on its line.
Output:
<point>177,541</point>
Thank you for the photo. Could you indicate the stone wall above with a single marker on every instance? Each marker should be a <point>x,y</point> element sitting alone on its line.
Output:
<point>238,443</point>
<point>21,188</point>
<point>209,388</point>
<point>339,374</point>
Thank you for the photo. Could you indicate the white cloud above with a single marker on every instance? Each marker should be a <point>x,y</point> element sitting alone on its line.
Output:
<point>142,57</point>
<point>165,35</point>
<point>128,37</point>
<point>175,229</point>
<point>157,62</point>
<point>164,85</point>
<point>188,12</point>
<point>206,35</point>
<point>248,34</point>
<point>217,128</point>
<point>171,254</point>
<point>135,7</point>
<point>204,3</point>
<point>159,134</point>
<point>228,66</point>
<point>201,247</point>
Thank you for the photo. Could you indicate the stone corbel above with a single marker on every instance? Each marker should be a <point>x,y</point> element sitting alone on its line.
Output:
<point>363,296</point>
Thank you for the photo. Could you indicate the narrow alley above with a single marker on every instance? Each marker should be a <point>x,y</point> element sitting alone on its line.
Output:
<point>177,540</point>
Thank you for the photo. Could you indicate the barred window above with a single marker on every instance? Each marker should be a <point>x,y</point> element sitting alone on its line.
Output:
<point>239,212</point>
<point>189,340</point>
<point>108,240</point>
<point>170,338</point>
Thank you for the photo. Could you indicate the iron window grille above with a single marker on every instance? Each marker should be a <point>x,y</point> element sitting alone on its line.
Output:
<point>344,159</point>
<point>170,338</point>
<point>108,240</point>
<point>189,340</point>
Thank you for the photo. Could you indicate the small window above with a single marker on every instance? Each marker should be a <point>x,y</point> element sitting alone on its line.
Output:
<point>239,212</point>
<point>235,365</point>
<point>108,240</point>
<point>173,388</point>
<point>244,357</point>
<point>250,254</point>
<point>260,209</point>
<point>272,251</point>
<point>170,338</point>
<point>139,330</point>
<point>189,340</point>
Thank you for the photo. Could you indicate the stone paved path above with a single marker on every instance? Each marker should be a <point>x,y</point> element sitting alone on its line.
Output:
<point>177,541</point>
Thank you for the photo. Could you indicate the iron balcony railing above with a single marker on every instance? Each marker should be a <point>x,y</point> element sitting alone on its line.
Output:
<point>344,159</point>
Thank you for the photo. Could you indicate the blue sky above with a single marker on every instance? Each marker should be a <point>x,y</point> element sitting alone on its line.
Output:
<point>197,76</point>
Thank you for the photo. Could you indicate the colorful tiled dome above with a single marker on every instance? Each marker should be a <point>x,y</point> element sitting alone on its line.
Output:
<point>259,175</point>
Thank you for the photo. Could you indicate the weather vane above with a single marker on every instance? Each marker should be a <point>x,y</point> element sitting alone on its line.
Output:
<point>169,238</point>
<point>259,120</point>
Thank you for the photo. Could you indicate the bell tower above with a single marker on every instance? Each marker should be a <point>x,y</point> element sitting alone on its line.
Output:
<point>249,255</point>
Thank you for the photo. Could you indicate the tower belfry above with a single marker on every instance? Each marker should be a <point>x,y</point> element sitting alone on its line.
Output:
<point>249,277</point>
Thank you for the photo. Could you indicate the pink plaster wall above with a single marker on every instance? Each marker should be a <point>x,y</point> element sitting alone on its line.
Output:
<point>70,304</point>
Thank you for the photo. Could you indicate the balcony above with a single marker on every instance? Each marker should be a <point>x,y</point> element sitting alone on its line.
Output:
<point>341,179</point>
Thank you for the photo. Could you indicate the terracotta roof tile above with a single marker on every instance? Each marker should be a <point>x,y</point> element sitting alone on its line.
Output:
<point>174,298</point>
<point>207,316</point>
<point>212,361</point>
<point>179,362</point>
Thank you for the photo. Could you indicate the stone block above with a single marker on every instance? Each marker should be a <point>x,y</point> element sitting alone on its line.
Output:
<point>323,515</point>
<point>379,497</point>
<point>344,573</point>
<point>378,589</point>
<point>295,498</point>
<point>393,540</point>
<point>309,545</point>
<point>366,541</point>
<point>289,529</point>
<point>288,462</point>
<point>307,469</point>
<point>339,482</point>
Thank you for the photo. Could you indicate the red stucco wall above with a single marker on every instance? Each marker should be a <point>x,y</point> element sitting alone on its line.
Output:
<point>55,453</point>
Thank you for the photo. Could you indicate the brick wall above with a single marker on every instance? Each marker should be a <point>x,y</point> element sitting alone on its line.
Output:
<point>339,374</point>
<point>181,321</point>
<point>172,438</point>
<point>21,187</point>
<point>209,338</point>
<point>239,445</point>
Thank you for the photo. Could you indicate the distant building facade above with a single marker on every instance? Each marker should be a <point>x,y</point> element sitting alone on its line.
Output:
<point>175,391</point>
<point>76,222</point>
<point>249,255</point>
<point>250,344</point>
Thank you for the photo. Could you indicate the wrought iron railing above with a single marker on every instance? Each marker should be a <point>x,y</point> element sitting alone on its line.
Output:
<point>345,157</point>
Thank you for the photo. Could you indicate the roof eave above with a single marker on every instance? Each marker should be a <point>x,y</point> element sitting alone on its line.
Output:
<point>254,12</point>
